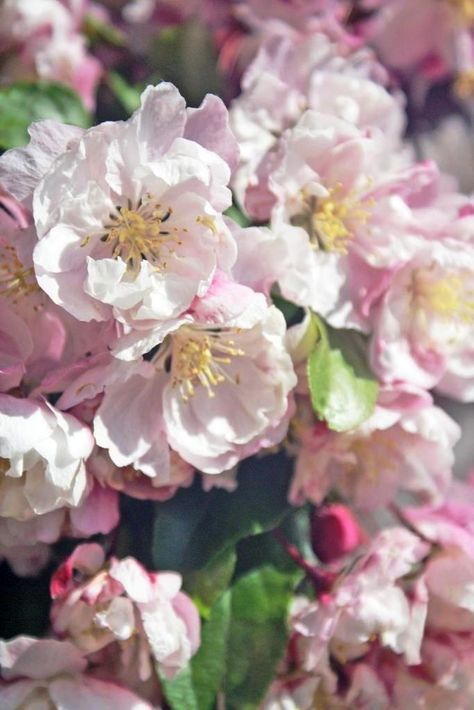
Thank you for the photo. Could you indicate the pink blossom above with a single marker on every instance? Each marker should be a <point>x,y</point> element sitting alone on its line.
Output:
<point>368,601</point>
<point>194,394</point>
<point>16,347</point>
<point>44,672</point>
<point>195,397</point>
<point>42,458</point>
<point>25,543</point>
<point>451,523</point>
<point>144,614</point>
<point>347,215</point>
<point>135,482</point>
<point>424,327</point>
<point>37,335</point>
<point>291,73</point>
<point>44,41</point>
<point>406,444</point>
<point>436,41</point>
<point>166,181</point>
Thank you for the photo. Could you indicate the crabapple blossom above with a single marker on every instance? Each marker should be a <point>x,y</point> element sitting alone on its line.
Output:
<point>49,673</point>
<point>42,39</point>
<point>206,370</point>
<point>437,41</point>
<point>38,337</point>
<point>241,391</point>
<point>143,613</point>
<point>424,326</point>
<point>348,218</point>
<point>370,606</point>
<point>151,235</point>
<point>153,335</point>
<point>25,543</point>
<point>136,483</point>
<point>368,602</point>
<point>42,455</point>
<point>405,445</point>
<point>449,526</point>
<point>289,75</point>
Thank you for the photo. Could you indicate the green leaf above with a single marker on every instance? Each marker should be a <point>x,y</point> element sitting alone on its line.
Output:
<point>25,102</point>
<point>259,550</point>
<point>195,526</point>
<point>98,31</point>
<point>238,216</point>
<point>257,634</point>
<point>186,55</point>
<point>195,688</point>
<point>343,390</point>
<point>206,585</point>
<point>242,643</point>
<point>128,95</point>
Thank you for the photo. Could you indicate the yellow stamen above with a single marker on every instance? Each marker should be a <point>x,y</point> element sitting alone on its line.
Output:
<point>464,84</point>
<point>199,358</point>
<point>329,220</point>
<point>464,10</point>
<point>15,280</point>
<point>374,454</point>
<point>207,222</point>
<point>141,234</point>
<point>445,296</point>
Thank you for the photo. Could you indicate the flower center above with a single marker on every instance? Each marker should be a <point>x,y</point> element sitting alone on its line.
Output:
<point>329,220</point>
<point>464,84</point>
<point>199,358</point>
<point>445,296</point>
<point>374,454</point>
<point>140,234</point>
<point>464,9</point>
<point>15,280</point>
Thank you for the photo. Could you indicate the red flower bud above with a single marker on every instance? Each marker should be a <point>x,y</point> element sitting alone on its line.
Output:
<point>334,532</point>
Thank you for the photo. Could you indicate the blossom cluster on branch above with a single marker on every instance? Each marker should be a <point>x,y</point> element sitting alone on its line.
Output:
<point>229,330</point>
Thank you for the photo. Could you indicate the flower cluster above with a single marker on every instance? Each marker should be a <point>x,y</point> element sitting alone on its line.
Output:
<point>44,40</point>
<point>283,279</point>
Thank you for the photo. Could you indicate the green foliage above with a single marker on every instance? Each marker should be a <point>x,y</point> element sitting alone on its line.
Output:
<point>343,390</point>
<point>127,94</point>
<point>207,584</point>
<point>195,526</point>
<point>242,643</point>
<point>264,549</point>
<point>195,688</point>
<point>98,31</point>
<point>25,102</point>
<point>186,56</point>
<point>238,216</point>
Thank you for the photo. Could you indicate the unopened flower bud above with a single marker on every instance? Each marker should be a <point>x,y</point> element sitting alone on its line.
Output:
<point>334,532</point>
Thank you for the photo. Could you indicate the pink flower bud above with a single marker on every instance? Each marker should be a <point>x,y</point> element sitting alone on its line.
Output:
<point>334,532</point>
